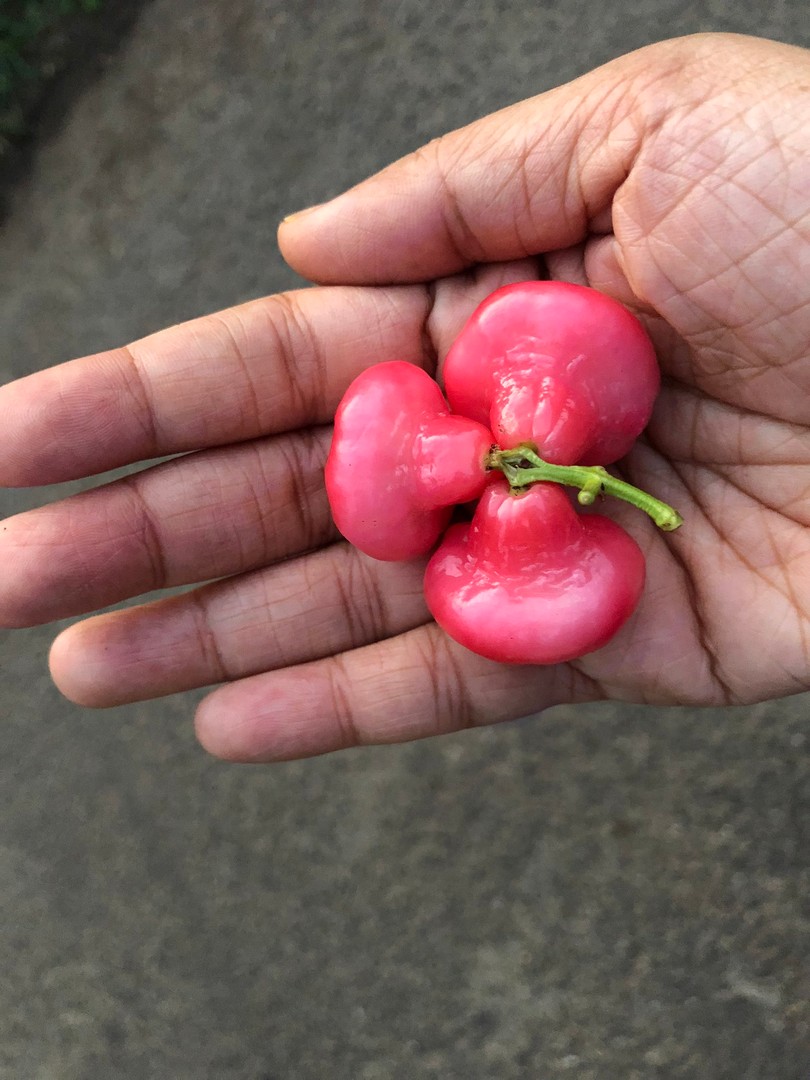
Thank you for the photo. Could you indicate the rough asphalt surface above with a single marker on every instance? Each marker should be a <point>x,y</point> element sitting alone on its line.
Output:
<point>599,893</point>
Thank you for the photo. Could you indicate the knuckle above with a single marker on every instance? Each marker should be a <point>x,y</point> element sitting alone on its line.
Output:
<point>139,390</point>
<point>363,600</point>
<point>149,535</point>
<point>299,356</point>
<point>452,704</point>
<point>443,160</point>
<point>348,732</point>
<point>207,641</point>
<point>360,599</point>
<point>304,493</point>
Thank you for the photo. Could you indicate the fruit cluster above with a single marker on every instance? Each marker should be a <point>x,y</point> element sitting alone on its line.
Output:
<point>547,383</point>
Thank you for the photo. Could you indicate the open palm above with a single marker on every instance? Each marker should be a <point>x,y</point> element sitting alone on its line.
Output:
<point>675,179</point>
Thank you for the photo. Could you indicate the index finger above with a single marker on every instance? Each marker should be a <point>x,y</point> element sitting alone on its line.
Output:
<point>268,366</point>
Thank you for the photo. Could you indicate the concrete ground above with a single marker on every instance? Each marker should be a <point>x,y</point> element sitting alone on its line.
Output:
<point>599,893</point>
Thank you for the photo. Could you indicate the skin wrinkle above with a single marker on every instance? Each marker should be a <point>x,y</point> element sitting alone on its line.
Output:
<point>349,610</point>
<point>716,383</point>
<point>693,433</point>
<point>721,384</point>
<point>88,570</point>
<point>303,472</point>
<point>426,649</point>
<point>706,338</point>
<point>340,560</point>
<point>789,591</point>
<point>756,569</point>
<point>451,705</point>
<point>576,211</point>
<point>306,463</point>
<point>237,353</point>
<point>736,263</point>
<point>455,701</point>
<point>213,658</point>
<point>278,650</point>
<point>697,491</point>
<point>552,174</point>
<point>740,443</point>
<point>771,207</point>
<point>784,313</point>
<point>297,458</point>
<point>680,206</point>
<point>760,502</point>
<point>607,688</point>
<point>740,267</point>
<point>464,244</point>
<point>264,621</point>
<point>427,356</point>
<point>429,351</point>
<point>726,695</point>
<point>579,173</point>
<point>253,507</point>
<point>733,369</point>
<point>304,369</point>
<point>676,206</point>
<point>655,251</point>
<point>696,601</point>
<point>144,410</point>
<point>701,634</point>
<point>350,735</point>
<point>370,597</point>
<point>256,505</point>
<point>802,617</point>
<point>629,95</point>
<point>310,586</point>
<point>150,536</point>
<point>581,686</point>
<point>717,120</point>
<point>522,170</point>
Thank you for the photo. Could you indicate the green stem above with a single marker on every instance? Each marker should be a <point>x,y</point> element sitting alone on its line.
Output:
<point>592,480</point>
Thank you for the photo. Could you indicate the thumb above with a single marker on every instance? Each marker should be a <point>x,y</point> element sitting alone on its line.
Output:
<point>534,177</point>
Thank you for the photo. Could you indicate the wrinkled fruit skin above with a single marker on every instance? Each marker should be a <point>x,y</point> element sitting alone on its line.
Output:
<point>399,462</point>
<point>557,365</point>
<point>530,581</point>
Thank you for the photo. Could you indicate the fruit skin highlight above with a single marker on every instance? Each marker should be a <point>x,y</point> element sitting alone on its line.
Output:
<point>560,366</point>
<point>530,581</point>
<point>400,461</point>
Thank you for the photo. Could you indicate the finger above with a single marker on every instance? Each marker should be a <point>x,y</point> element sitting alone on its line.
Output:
<point>269,366</point>
<point>410,687</point>
<point>599,264</point>
<point>314,606</point>
<point>198,517</point>
<point>456,297</point>
<point>531,178</point>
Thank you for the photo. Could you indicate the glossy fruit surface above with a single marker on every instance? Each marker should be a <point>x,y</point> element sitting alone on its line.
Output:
<point>530,581</point>
<point>558,365</point>
<point>400,461</point>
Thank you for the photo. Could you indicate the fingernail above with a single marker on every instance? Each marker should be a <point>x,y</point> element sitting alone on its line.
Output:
<point>301,213</point>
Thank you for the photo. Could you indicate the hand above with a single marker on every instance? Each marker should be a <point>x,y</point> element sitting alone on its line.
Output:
<point>674,179</point>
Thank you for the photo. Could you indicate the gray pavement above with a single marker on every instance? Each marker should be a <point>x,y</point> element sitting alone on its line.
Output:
<point>599,893</point>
